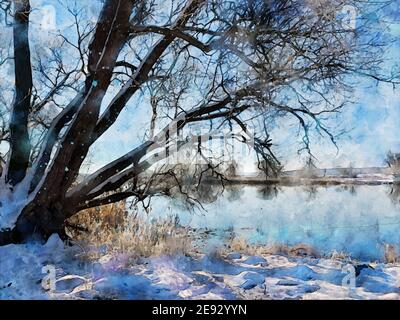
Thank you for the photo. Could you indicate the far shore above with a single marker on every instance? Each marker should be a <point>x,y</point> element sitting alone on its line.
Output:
<point>331,176</point>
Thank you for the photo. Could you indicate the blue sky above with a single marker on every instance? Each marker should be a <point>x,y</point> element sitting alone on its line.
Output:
<point>371,124</point>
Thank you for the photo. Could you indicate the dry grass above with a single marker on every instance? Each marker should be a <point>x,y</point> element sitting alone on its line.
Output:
<point>111,229</point>
<point>340,255</point>
<point>391,254</point>
<point>240,244</point>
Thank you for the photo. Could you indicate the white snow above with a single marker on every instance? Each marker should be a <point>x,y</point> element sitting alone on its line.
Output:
<point>237,276</point>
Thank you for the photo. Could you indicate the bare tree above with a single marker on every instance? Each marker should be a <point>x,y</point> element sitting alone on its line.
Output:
<point>206,63</point>
<point>392,159</point>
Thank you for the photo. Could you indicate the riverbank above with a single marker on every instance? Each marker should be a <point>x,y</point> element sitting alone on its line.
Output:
<point>232,275</point>
<point>298,181</point>
<point>330,176</point>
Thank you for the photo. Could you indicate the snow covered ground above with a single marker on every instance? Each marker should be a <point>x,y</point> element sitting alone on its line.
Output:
<point>231,276</point>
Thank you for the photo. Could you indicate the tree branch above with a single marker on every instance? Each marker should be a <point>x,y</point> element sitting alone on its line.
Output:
<point>140,76</point>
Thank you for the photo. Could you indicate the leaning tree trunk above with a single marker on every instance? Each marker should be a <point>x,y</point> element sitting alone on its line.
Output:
<point>39,221</point>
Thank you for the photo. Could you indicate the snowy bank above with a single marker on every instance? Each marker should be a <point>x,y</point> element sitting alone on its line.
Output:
<point>232,276</point>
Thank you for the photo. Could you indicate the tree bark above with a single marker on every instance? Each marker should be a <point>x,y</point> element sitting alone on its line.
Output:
<point>39,222</point>
<point>20,148</point>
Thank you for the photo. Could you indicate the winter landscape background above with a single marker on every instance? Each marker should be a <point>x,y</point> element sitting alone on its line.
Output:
<point>199,149</point>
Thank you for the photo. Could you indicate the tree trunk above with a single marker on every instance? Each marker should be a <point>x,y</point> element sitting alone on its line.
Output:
<point>38,222</point>
<point>20,146</point>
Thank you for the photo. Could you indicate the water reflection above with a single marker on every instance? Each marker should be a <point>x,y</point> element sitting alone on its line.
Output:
<point>234,192</point>
<point>394,194</point>
<point>311,192</point>
<point>267,192</point>
<point>352,189</point>
<point>358,220</point>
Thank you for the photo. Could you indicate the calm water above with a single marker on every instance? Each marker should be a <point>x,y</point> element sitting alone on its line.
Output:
<point>357,220</point>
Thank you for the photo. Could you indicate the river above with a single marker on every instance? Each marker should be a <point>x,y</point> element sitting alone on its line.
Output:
<point>357,220</point>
